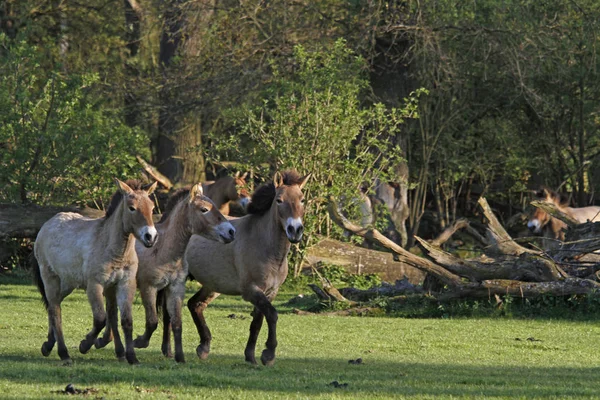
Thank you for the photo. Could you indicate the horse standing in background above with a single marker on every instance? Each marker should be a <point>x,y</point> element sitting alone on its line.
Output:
<point>188,212</point>
<point>550,227</point>
<point>72,251</point>
<point>227,190</point>
<point>254,265</point>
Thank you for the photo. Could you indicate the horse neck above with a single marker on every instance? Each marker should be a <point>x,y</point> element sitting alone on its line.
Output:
<point>217,193</point>
<point>174,233</point>
<point>113,238</point>
<point>271,236</point>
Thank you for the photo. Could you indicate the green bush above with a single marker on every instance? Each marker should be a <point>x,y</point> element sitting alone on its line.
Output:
<point>60,140</point>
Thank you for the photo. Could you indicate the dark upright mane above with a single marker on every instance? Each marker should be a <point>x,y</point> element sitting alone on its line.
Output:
<point>560,198</point>
<point>117,197</point>
<point>174,199</point>
<point>263,197</point>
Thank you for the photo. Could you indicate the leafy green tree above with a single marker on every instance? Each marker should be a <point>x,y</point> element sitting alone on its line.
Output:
<point>61,142</point>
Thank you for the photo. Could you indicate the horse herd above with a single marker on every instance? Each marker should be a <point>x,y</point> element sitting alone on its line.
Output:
<point>246,256</point>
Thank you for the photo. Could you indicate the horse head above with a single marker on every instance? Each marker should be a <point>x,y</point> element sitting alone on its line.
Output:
<point>539,218</point>
<point>289,203</point>
<point>205,218</point>
<point>137,214</point>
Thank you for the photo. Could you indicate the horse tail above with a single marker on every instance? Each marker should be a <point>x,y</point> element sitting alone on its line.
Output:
<point>37,278</point>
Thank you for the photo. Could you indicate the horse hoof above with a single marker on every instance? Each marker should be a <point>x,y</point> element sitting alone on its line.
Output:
<point>180,358</point>
<point>202,352</point>
<point>100,343</point>
<point>166,351</point>
<point>84,346</point>
<point>251,361</point>
<point>46,349</point>
<point>121,358</point>
<point>67,362</point>
<point>267,358</point>
<point>140,343</point>
<point>132,359</point>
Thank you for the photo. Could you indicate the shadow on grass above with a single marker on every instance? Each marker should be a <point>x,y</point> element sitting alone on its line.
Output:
<point>309,376</point>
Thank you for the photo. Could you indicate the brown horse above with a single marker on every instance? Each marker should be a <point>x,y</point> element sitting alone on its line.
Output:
<point>188,212</point>
<point>254,265</point>
<point>72,251</point>
<point>227,190</point>
<point>542,222</point>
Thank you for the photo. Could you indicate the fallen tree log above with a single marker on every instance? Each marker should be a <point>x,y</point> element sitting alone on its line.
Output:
<point>25,221</point>
<point>514,270</point>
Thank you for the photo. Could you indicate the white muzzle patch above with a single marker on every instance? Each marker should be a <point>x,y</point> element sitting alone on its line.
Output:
<point>226,231</point>
<point>148,235</point>
<point>534,225</point>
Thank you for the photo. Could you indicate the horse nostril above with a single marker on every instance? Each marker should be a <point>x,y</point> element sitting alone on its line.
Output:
<point>300,229</point>
<point>232,232</point>
<point>290,229</point>
<point>148,237</point>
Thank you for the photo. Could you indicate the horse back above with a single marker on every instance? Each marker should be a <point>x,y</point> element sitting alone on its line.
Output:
<point>63,243</point>
<point>584,214</point>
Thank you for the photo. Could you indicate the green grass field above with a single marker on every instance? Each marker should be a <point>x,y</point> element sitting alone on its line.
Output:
<point>402,358</point>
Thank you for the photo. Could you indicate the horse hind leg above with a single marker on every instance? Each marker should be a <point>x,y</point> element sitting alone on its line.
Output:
<point>166,342</point>
<point>197,304</point>
<point>255,327</point>
<point>55,332</point>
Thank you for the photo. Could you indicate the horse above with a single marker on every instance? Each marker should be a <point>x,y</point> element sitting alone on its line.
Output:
<point>72,251</point>
<point>254,265</point>
<point>188,212</point>
<point>553,228</point>
<point>227,190</point>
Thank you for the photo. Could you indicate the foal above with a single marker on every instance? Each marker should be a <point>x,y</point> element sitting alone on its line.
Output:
<point>227,190</point>
<point>254,265</point>
<point>72,251</point>
<point>554,228</point>
<point>188,212</point>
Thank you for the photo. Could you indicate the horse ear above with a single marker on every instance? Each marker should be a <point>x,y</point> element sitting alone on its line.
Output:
<point>243,177</point>
<point>237,174</point>
<point>196,190</point>
<point>152,188</point>
<point>123,187</point>
<point>278,179</point>
<point>304,180</point>
<point>545,193</point>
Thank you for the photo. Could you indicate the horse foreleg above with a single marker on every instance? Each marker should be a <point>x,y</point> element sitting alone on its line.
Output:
<point>125,293</point>
<point>262,303</point>
<point>255,326</point>
<point>166,341</point>
<point>107,336</point>
<point>96,299</point>
<point>149,300</point>
<point>112,324</point>
<point>175,294</point>
<point>197,304</point>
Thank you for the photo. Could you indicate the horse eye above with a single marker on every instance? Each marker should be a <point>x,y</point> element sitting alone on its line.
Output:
<point>131,208</point>
<point>279,201</point>
<point>204,210</point>
<point>301,201</point>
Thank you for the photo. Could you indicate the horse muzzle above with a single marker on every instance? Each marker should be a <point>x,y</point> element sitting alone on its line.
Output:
<point>534,226</point>
<point>148,236</point>
<point>294,233</point>
<point>226,232</point>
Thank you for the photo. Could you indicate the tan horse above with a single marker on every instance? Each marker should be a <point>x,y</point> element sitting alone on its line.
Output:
<point>254,265</point>
<point>542,222</point>
<point>72,251</point>
<point>227,190</point>
<point>188,212</point>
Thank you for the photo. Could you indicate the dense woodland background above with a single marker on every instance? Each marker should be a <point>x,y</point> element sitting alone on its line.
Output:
<point>450,99</point>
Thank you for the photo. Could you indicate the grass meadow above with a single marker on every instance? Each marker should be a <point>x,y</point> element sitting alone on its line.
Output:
<point>464,358</point>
